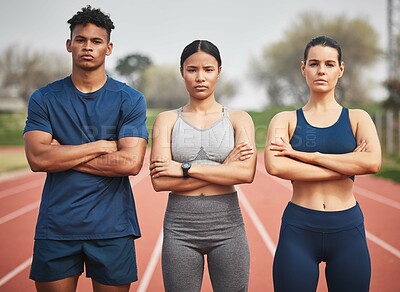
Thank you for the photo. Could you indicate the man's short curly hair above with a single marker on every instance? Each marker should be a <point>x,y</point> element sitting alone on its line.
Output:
<point>94,16</point>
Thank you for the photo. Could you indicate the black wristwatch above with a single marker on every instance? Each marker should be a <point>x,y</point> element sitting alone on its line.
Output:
<point>185,167</point>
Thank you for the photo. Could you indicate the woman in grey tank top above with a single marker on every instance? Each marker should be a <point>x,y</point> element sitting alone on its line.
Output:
<point>199,153</point>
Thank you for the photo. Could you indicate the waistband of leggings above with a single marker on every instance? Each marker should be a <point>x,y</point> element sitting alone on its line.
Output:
<point>322,221</point>
<point>202,204</point>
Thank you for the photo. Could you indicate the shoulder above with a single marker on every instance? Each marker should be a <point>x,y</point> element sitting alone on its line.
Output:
<point>166,117</point>
<point>117,86</point>
<point>50,89</point>
<point>238,116</point>
<point>358,115</point>
<point>284,116</point>
<point>240,119</point>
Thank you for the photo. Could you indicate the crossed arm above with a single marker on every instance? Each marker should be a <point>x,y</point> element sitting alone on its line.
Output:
<point>238,167</point>
<point>105,158</point>
<point>282,161</point>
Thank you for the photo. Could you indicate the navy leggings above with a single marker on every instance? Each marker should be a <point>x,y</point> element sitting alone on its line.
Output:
<point>308,237</point>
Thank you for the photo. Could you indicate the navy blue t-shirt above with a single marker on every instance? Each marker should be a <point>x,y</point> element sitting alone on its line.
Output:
<point>76,205</point>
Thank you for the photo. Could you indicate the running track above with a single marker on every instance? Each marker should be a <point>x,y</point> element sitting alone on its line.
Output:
<point>262,203</point>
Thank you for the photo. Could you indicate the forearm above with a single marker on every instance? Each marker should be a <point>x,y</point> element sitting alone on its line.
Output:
<point>175,184</point>
<point>291,169</point>
<point>112,165</point>
<point>127,160</point>
<point>233,173</point>
<point>50,158</point>
<point>354,163</point>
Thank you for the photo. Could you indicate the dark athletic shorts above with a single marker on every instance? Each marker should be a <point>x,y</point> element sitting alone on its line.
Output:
<point>107,261</point>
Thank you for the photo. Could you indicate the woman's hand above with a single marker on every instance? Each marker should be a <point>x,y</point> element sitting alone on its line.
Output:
<point>240,152</point>
<point>361,147</point>
<point>282,148</point>
<point>170,168</point>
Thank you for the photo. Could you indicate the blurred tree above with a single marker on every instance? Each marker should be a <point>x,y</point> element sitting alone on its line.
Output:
<point>132,68</point>
<point>393,86</point>
<point>164,87</point>
<point>278,69</point>
<point>225,90</point>
<point>22,70</point>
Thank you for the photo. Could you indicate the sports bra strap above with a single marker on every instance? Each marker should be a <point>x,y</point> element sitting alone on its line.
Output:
<point>180,110</point>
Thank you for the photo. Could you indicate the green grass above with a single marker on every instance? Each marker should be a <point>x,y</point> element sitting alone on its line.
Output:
<point>390,168</point>
<point>11,161</point>
<point>261,121</point>
<point>11,127</point>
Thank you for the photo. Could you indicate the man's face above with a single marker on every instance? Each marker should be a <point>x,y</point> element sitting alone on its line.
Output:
<point>89,46</point>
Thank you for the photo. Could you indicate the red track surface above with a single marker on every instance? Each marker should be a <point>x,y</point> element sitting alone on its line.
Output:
<point>262,205</point>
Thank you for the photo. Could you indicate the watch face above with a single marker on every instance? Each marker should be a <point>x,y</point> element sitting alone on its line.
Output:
<point>186,165</point>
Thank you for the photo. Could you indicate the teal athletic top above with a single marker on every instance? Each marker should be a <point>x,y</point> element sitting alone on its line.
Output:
<point>335,139</point>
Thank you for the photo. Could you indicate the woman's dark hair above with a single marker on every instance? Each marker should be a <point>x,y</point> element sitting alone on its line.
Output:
<point>203,46</point>
<point>324,41</point>
<point>94,16</point>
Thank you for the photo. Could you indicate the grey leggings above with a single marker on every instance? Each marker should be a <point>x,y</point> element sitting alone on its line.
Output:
<point>198,226</point>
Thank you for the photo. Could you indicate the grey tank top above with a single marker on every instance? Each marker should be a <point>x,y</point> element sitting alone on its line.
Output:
<point>202,146</point>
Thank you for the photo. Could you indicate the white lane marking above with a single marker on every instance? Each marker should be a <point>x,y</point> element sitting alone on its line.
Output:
<point>20,188</point>
<point>15,271</point>
<point>20,212</point>
<point>383,244</point>
<point>257,222</point>
<point>360,191</point>
<point>376,197</point>
<point>151,266</point>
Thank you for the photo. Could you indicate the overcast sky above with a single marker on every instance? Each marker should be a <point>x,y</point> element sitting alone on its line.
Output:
<point>160,29</point>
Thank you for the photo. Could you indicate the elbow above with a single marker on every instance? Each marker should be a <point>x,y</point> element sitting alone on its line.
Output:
<point>246,174</point>
<point>34,168</point>
<point>248,178</point>
<point>37,165</point>
<point>375,167</point>
<point>272,168</point>
<point>133,169</point>
<point>156,185</point>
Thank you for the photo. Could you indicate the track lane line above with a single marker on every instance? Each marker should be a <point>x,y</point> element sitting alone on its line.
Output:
<point>151,266</point>
<point>148,274</point>
<point>359,190</point>
<point>28,208</point>
<point>20,188</point>
<point>375,239</point>
<point>378,198</point>
<point>15,271</point>
<point>20,212</point>
<point>269,243</point>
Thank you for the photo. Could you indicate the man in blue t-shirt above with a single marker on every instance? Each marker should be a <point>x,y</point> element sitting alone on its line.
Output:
<point>88,133</point>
